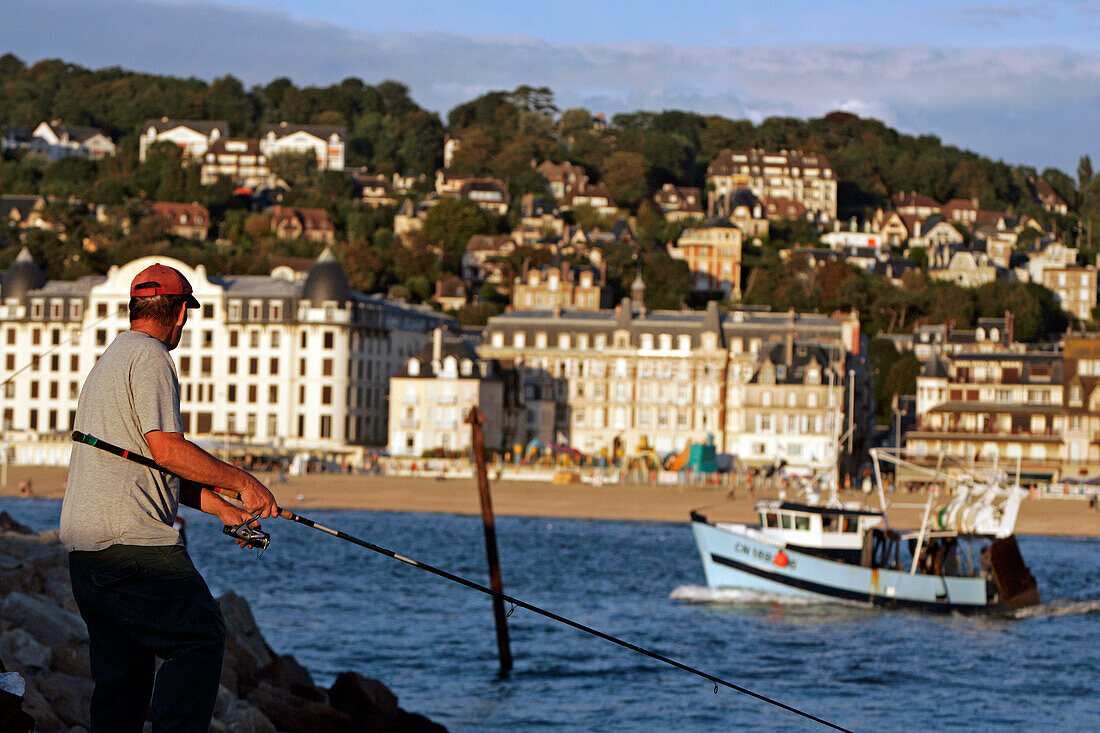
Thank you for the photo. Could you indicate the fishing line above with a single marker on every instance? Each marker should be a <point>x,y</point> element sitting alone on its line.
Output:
<point>287,514</point>
<point>38,358</point>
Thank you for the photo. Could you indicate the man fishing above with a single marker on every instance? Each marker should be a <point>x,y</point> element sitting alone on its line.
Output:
<point>134,584</point>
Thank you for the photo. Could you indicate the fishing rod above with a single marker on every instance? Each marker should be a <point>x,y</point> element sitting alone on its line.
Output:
<point>86,439</point>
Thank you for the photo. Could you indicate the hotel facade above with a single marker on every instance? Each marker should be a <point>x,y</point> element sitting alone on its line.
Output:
<point>284,362</point>
<point>766,387</point>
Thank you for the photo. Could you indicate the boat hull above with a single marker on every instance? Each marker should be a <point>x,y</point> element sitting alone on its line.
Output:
<point>733,559</point>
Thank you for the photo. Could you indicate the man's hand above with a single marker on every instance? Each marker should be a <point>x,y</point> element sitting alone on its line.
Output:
<point>233,516</point>
<point>257,499</point>
<point>183,458</point>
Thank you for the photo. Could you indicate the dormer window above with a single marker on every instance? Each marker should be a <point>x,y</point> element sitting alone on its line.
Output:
<point>414,367</point>
<point>467,367</point>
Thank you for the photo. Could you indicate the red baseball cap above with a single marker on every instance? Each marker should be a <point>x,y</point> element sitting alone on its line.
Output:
<point>161,279</point>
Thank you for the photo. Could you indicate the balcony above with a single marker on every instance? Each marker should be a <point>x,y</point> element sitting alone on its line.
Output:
<point>409,422</point>
<point>446,398</point>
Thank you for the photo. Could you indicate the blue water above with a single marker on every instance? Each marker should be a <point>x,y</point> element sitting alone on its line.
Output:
<point>336,606</point>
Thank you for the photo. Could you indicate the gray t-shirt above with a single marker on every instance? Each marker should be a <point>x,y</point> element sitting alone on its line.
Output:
<point>131,390</point>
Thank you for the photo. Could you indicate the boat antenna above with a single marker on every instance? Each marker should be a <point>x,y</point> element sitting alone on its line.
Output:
<point>86,439</point>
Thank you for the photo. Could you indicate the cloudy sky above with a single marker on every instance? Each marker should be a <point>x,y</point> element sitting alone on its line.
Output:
<point>1014,81</point>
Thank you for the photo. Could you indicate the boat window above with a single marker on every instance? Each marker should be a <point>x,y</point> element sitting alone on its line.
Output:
<point>772,519</point>
<point>785,520</point>
<point>801,522</point>
<point>828,522</point>
<point>851,524</point>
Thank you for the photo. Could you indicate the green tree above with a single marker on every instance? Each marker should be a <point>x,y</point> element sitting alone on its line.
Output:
<point>625,175</point>
<point>450,224</point>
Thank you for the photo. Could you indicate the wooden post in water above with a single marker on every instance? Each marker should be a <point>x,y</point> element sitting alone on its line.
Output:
<point>475,419</point>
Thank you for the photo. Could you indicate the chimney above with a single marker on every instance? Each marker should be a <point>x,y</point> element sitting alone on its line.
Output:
<point>790,336</point>
<point>437,346</point>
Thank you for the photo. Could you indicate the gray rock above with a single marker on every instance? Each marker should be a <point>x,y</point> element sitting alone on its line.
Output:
<point>70,697</point>
<point>71,659</point>
<point>49,536</point>
<point>19,646</point>
<point>240,717</point>
<point>286,672</point>
<point>221,704</point>
<point>357,695</point>
<point>242,626</point>
<point>7,562</point>
<point>43,619</point>
<point>39,708</point>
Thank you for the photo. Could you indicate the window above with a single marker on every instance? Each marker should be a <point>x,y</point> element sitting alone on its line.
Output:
<point>519,340</point>
<point>252,394</point>
<point>326,368</point>
<point>273,395</point>
<point>276,311</point>
<point>232,365</point>
<point>207,339</point>
<point>234,310</point>
<point>255,311</point>
<point>326,395</point>
<point>330,339</point>
<point>208,310</point>
<point>231,393</point>
<point>185,366</point>
<point>274,339</point>
<point>326,426</point>
<point>207,366</point>
<point>253,366</point>
<point>273,367</point>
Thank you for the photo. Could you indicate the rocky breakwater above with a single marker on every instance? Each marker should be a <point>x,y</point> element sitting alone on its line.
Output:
<point>43,638</point>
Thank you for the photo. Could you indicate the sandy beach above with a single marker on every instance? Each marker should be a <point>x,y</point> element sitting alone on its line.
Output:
<point>1066,517</point>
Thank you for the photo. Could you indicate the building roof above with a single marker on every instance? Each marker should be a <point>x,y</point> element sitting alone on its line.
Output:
<point>728,161</point>
<point>459,348</point>
<point>205,127</point>
<point>322,131</point>
<point>22,276</point>
<point>78,133</point>
<point>326,281</point>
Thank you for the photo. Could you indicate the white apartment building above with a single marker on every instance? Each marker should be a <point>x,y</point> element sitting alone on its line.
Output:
<point>788,174</point>
<point>194,137</point>
<point>326,142</point>
<point>60,141</point>
<point>432,395</point>
<point>766,386</point>
<point>268,363</point>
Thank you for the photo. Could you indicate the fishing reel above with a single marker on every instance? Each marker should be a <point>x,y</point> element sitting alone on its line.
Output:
<point>251,536</point>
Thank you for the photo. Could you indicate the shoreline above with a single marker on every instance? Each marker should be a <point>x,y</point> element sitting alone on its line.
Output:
<point>630,502</point>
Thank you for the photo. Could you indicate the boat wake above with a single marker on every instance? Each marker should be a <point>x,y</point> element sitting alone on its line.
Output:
<point>1059,608</point>
<point>705,594</point>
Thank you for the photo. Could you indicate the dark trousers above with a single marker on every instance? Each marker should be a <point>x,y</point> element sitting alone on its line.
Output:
<point>140,603</point>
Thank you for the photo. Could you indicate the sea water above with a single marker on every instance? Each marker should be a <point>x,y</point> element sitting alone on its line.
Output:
<point>336,607</point>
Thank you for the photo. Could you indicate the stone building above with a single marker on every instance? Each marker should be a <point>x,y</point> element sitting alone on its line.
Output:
<point>805,178</point>
<point>766,386</point>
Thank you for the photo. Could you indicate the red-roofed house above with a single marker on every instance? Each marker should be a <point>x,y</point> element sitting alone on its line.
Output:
<point>314,225</point>
<point>190,221</point>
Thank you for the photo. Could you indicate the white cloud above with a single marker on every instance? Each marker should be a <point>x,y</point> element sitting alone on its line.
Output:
<point>1035,105</point>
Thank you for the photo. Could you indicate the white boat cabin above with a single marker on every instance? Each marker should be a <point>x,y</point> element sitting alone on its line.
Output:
<point>826,528</point>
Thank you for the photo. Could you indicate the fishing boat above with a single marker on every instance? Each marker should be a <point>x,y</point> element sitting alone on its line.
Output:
<point>963,558</point>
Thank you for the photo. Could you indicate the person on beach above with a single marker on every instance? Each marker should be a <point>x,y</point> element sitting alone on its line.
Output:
<point>134,584</point>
